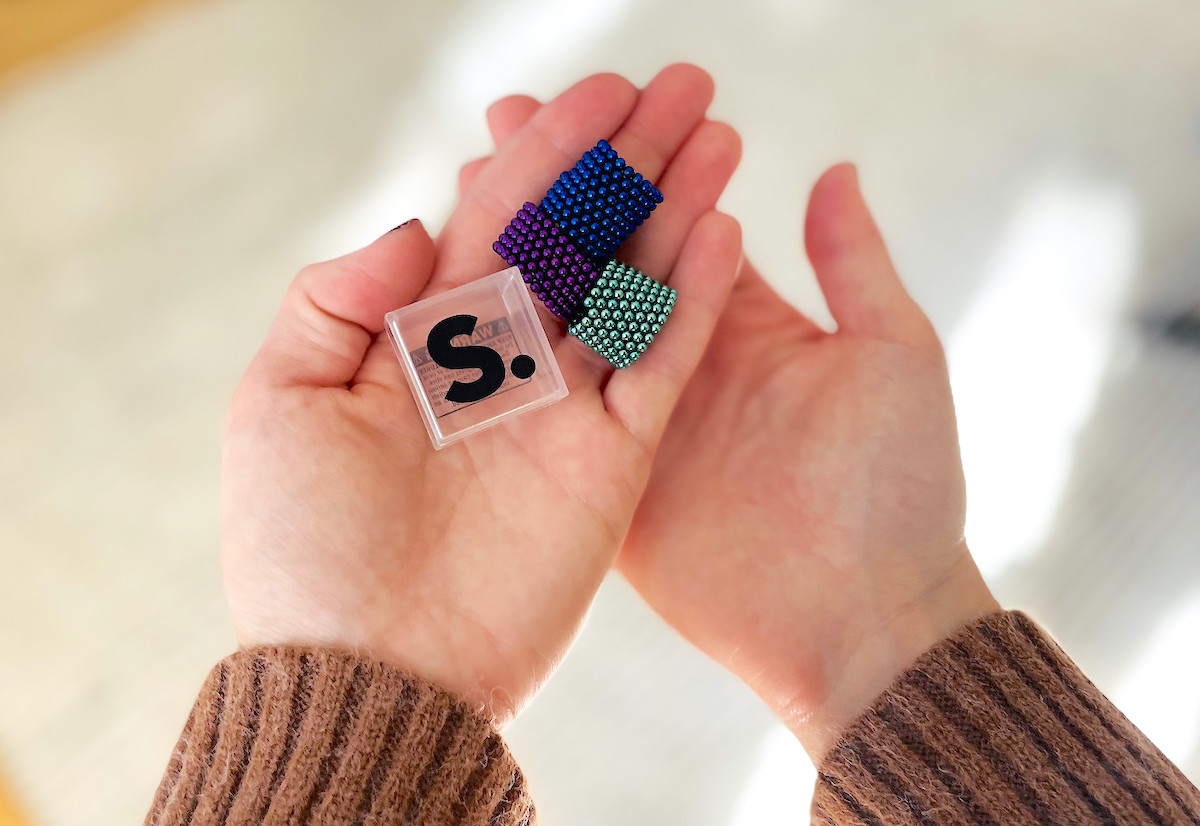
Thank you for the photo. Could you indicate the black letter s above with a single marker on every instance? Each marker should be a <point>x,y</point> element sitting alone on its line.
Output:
<point>461,358</point>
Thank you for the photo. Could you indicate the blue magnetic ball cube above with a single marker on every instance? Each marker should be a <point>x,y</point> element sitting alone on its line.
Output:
<point>600,201</point>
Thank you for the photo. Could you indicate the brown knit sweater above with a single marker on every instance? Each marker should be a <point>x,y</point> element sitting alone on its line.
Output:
<point>994,725</point>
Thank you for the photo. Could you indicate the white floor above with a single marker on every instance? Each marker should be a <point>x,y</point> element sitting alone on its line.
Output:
<point>1036,167</point>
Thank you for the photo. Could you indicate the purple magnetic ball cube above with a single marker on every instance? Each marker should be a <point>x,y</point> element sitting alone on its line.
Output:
<point>557,273</point>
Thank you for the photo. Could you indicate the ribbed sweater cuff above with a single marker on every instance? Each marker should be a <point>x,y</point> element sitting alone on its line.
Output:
<point>996,725</point>
<point>313,736</point>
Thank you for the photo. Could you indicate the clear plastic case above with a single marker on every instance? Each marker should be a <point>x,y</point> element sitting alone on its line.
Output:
<point>475,356</point>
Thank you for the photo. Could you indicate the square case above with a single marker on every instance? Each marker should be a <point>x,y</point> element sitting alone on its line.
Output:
<point>475,356</point>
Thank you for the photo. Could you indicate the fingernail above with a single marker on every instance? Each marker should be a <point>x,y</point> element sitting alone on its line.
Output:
<point>399,226</point>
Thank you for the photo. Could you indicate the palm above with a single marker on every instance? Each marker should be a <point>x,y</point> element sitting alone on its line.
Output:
<point>472,565</point>
<point>806,418</point>
<point>482,508</point>
<point>808,493</point>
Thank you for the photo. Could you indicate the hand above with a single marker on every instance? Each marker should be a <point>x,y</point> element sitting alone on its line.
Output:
<point>804,521</point>
<point>471,566</point>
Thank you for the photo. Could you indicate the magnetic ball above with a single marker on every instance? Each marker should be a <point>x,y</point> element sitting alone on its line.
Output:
<point>600,202</point>
<point>555,270</point>
<point>622,313</point>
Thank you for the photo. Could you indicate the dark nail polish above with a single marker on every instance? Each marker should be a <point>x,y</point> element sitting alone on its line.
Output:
<point>399,226</point>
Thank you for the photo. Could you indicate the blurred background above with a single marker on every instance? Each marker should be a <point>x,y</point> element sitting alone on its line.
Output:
<point>165,168</point>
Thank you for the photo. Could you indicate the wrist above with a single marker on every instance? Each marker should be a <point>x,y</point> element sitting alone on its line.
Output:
<point>886,647</point>
<point>489,687</point>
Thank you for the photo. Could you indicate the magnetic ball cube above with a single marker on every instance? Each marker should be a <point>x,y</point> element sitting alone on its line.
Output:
<point>600,202</point>
<point>622,314</point>
<point>563,248</point>
<point>554,269</point>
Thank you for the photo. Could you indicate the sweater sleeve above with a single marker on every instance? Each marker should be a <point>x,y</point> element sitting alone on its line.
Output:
<point>995,725</point>
<point>290,736</point>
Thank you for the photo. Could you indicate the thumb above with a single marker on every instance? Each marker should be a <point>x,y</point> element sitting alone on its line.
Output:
<point>852,264</point>
<point>333,310</point>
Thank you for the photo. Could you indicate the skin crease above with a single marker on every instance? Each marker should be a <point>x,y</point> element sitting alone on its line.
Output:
<point>804,521</point>
<point>472,566</point>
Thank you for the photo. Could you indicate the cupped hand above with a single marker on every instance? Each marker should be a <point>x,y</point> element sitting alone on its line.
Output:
<point>804,521</point>
<point>803,524</point>
<point>471,566</point>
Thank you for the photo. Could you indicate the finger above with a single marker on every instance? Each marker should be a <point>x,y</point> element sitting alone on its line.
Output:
<point>508,115</point>
<point>668,109</point>
<point>552,140</point>
<point>691,185</point>
<point>852,264</point>
<point>643,395</point>
<point>332,310</point>
<point>468,171</point>
<point>505,118</point>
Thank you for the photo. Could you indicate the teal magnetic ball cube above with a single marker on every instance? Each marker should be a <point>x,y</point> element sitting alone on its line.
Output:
<point>622,313</point>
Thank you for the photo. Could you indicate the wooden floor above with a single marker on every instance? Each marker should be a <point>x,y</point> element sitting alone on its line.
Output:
<point>31,29</point>
<point>9,814</point>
